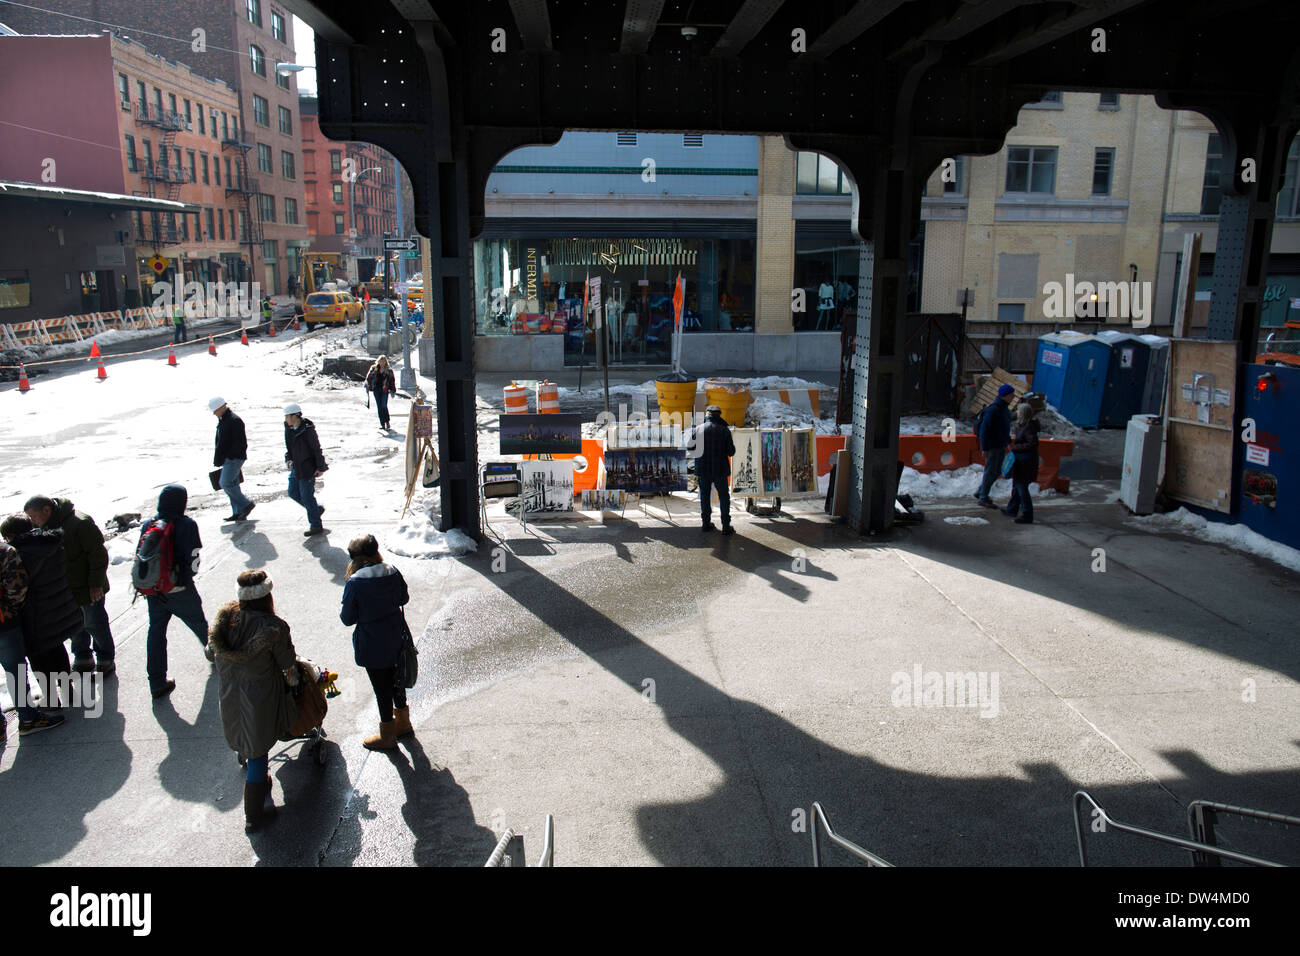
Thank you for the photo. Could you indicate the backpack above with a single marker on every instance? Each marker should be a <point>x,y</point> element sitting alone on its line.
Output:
<point>154,568</point>
<point>979,419</point>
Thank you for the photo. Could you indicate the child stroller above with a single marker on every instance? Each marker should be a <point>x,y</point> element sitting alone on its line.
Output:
<point>315,684</point>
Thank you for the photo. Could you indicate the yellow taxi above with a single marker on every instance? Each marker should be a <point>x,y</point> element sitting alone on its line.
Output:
<point>331,308</point>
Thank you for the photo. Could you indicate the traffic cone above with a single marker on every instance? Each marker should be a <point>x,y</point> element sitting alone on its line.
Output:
<point>296,326</point>
<point>101,374</point>
<point>243,335</point>
<point>272,324</point>
<point>171,357</point>
<point>94,349</point>
<point>212,346</point>
<point>23,384</point>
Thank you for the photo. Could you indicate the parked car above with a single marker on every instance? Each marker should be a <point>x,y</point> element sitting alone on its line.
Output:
<point>331,308</point>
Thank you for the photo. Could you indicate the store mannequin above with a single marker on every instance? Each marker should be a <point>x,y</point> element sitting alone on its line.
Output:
<point>825,303</point>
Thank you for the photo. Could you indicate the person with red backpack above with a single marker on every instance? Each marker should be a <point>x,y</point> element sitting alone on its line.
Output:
<point>166,562</point>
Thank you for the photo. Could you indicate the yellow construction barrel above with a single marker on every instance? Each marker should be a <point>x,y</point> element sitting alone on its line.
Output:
<point>732,395</point>
<point>675,397</point>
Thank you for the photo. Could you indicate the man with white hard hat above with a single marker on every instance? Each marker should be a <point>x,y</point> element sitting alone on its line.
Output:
<point>306,462</point>
<point>231,453</point>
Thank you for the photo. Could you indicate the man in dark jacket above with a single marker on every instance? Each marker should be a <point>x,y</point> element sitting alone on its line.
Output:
<point>13,595</point>
<point>183,600</point>
<point>306,462</point>
<point>49,615</point>
<point>714,448</point>
<point>83,544</point>
<point>994,437</point>
<point>230,455</point>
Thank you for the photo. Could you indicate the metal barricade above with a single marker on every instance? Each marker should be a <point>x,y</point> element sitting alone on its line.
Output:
<point>1202,815</point>
<point>1191,845</point>
<point>819,818</point>
<point>509,850</point>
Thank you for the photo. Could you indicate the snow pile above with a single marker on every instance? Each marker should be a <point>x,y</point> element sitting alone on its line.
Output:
<point>959,483</point>
<point>417,536</point>
<point>777,381</point>
<point>1236,536</point>
<point>1052,424</point>
<point>770,413</point>
<point>923,424</point>
<point>121,549</point>
<point>596,390</point>
<point>965,520</point>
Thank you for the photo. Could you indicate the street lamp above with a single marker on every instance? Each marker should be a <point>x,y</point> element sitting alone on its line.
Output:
<point>286,68</point>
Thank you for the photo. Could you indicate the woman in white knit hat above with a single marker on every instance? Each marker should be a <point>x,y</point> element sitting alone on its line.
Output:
<point>254,656</point>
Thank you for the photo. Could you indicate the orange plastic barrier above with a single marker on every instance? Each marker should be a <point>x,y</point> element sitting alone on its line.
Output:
<point>827,445</point>
<point>594,451</point>
<point>928,453</point>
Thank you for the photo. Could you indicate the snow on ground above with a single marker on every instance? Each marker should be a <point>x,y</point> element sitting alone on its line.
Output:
<point>924,424</point>
<point>965,520</point>
<point>417,535</point>
<point>1052,424</point>
<point>959,483</point>
<point>1236,536</point>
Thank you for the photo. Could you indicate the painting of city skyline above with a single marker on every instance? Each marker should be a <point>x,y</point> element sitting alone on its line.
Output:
<point>547,488</point>
<point>541,434</point>
<point>646,471</point>
<point>803,462</point>
<point>773,459</point>
<point>745,475</point>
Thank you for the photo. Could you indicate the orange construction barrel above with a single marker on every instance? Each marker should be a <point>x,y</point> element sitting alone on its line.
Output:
<point>516,399</point>
<point>548,398</point>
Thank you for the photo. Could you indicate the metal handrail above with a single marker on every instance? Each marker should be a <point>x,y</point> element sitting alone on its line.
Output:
<point>818,814</point>
<point>1200,823</point>
<point>499,851</point>
<point>1191,845</point>
<point>512,843</point>
<point>548,843</point>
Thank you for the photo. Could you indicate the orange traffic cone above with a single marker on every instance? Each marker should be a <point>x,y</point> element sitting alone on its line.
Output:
<point>212,346</point>
<point>101,374</point>
<point>296,326</point>
<point>171,357</point>
<point>94,349</point>
<point>23,384</point>
<point>243,335</point>
<point>272,324</point>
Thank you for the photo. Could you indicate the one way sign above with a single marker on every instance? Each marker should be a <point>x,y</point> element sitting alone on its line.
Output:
<point>401,245</point>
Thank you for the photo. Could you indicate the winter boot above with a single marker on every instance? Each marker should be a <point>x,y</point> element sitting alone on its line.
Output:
<point>402,722</point>
<point>258,807</point>
<point>386,739</point>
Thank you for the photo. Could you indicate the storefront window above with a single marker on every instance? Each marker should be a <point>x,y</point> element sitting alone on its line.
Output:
<point>535,287</point>
<point>827,272</point>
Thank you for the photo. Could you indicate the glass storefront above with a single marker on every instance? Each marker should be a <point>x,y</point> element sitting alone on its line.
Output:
<point>535,287</point>
<point>826,269</point>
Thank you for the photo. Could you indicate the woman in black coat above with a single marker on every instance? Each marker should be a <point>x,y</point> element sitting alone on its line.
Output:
<point>372,601</point>
<point>1024,470</point>
<point>50,615</point>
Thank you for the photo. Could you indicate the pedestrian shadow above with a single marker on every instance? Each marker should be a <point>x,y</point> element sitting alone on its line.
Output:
<point>332,559</point>
<point>258,548</point>
<point>45,806</point>
<point>318,820</point>
<point>437,811</point>
<point>195,749</point>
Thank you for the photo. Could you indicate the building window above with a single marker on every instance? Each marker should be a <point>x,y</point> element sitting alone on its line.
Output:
<point>261,111</point>
<point>1103,167</point>
<point>202,128</point>
<point>338,193</point>
<point>291,211</point>
<point>1211,191</point>
<point>243,229</point>
<point>231,214</point>
<point>230,180</point>
<point>171,104</point>
<point>1108,101</point>
<point>957,187</point>
<point>267,204</point>
<point>286,120</point>
<point>277,26</point>
<point>286,165</point>
<point>264,158</point>
<point>254,8</point>
<point>816,174</point>
<point>282,80</point>
<point>185,227</point>
<point>15,289</point>
<point>148,156</point>
<point>216,170</point>
<point>336,161</point>
<point>257,59</point>
<point>212,226</point>
<point>338,224</point>
<point>1011,312</point>
<point>1051,98</point>
<point>214,124</point>
<point>1031,169</point>
<point>203,167</point>
<point>225,128</point>
<point>139,94</point>
<point>626,139</point>
<point>124,90</point>
<point>189,116</point>
<point>131,164</point>
<point>194,175</point>
<point>269,249</point>
<point>221,225</point>
<point>1288,198</point>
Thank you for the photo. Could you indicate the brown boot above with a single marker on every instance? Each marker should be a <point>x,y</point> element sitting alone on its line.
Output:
<point>402,722</point>
<point>386,739</point>
<point>258,807</point>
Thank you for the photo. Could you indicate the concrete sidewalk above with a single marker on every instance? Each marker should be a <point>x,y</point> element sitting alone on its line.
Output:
<point>679,698</point>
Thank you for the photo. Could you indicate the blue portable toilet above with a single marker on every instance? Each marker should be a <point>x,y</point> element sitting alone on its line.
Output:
<point>1153,394</point>
<point>1071,374</point>
<point>1126,377</point>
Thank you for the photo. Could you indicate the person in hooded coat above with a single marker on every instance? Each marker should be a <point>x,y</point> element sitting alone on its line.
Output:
<point>181,601</point>
<point>13,595</point>
<point>1024,468</point>
<point>255,661</point>
<point>372,602</point>
<point>50,616</point>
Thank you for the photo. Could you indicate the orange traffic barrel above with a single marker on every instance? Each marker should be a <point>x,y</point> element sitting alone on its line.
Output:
<point>516,399</point>
<point>548,398</point>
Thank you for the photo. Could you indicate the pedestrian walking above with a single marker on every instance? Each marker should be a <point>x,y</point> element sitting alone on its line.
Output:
<point>306,463</point>
<point>372,605</point>
<point>256,664</point>
<point>50,616</point>
<point>713,468</point>
<point>87,570</point>
<point>166,563</point>
<point>230,455</point>
<point>14,585</point>
<point>1024,468</point>
<point>993,429</point>
<point>179,334</point>
<point>381,382</point>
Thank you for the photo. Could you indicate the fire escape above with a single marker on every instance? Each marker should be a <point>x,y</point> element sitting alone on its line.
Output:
<point>246,188</point>
<point>163,180</point>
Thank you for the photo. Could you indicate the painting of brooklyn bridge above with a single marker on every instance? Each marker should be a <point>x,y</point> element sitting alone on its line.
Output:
<point>646,471</point>
<point>547,487</point>
<point>541,434</point>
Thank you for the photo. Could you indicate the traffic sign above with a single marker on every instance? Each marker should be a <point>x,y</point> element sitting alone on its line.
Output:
<point>399,245</point>
<point>159,264</point>
<point>410,253</point>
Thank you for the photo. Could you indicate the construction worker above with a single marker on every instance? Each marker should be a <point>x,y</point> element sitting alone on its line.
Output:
<point>266,310</point>
<point>179,334</point>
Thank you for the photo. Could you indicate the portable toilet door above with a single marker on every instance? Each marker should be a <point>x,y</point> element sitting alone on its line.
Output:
<point>1071,374</point>
<point>1126,377</point>
<point>1153,392</point>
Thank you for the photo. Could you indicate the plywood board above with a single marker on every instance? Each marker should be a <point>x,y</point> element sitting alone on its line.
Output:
<point>988,391</point>
<point>1201,404</point>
